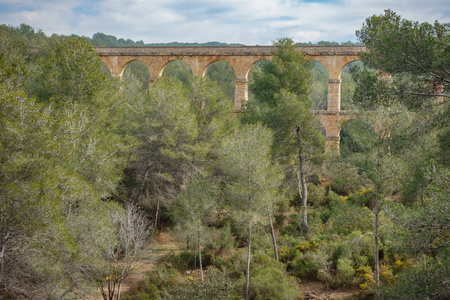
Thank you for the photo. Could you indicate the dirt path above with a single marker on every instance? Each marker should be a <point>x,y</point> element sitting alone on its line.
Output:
<point>163,245</point>
<point>319,290</point>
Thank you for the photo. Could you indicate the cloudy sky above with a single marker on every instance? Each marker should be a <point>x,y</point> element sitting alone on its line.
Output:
<point>248,22</point>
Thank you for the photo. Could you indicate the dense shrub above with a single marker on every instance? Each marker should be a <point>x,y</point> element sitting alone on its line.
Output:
<point>223,240</point>
<point>216,286</point>
<point>316,194</point>
<point>295,226</point>
<point>360,249</point>
<point>334,199</point>
<point>312,265</point>
<point>188,260</point>
<point>344,177</point>
<point>238,263</point>
<point>345,271</point>
<point>428,280</point>
<point>156,285</point>
<point>346,218</point>
<point>364,197</point>
<point>268,280</point>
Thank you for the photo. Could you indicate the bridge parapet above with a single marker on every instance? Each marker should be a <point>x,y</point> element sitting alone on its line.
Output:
<point>226,51</point>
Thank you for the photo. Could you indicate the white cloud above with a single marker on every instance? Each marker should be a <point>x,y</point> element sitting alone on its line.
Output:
<point>243,21</point>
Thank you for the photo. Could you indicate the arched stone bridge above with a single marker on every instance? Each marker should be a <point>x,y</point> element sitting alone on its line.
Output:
<point>334,58</point>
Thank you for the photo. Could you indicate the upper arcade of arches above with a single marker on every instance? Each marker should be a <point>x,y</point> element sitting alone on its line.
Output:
<point>241,59</point>
<point>334,58</point>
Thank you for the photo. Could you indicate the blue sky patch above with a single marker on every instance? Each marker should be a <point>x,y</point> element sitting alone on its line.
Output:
<point>6,8</point>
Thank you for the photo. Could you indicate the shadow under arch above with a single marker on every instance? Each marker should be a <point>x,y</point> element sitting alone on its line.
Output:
<point>348,85</point>
<point>136,73</point>
<point>319,86</point>
<point>224,74</point>
<point>177,69</point>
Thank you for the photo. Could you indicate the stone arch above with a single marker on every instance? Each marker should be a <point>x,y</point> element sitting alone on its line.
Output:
<point>211,62</point>
<point>347,84</point>
<point>224,74</point>
<point>177,68</point>
<point>332,122</point>
<point>251,70</point>
<point>334,64</point>
<point>136,72</point>
<point>254,64</point>
<point>319,87</point>
<point>350,63</point>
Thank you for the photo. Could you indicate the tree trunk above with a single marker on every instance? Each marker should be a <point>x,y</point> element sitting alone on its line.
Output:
<point>377,256</point>
<point>200,255</point>
<point>144,179</point>
<point>274,240</point>
<point>299,183</point>
<point>247,282</point>
<point>157,213</point>
<point>304,189</point>
<point>2,253</point>
<point>118,290</point>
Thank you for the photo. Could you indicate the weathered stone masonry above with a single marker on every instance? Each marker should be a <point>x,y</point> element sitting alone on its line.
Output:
<point>334,58</point>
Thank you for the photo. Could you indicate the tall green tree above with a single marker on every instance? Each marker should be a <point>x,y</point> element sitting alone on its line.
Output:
<point>179,127</point>
<point>281,90</point>
<point>60,157</point>
<point>406,103</point>
<point>193,207</point>
<point>398,45</point>
<point>252,180</point>
<point>380,159</point>
<point>166,127</point>
<point>417,55</point>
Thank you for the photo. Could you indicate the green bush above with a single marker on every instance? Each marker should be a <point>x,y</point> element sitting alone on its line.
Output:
<point>314,179</point>
<point>346,218</point>
<point>334,199</point>
<point>316,194</point>
<point>365,197</point>
<point>304,268</point>
<point>223,240</point>
<point>238,263</point>
<point>268,280</point>
<point>295,226</point>
<point>343,176</point>
<point>188,260</point>
<point>360,249</point>
<point>221,263</point>
<point>428,280</point>
<point>216,286</point>
<point>312,263</point>
<point>155,286</point>
<point>345,271</point>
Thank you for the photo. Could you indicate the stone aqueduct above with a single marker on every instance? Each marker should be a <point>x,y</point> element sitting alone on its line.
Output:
<point>334,58</point>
